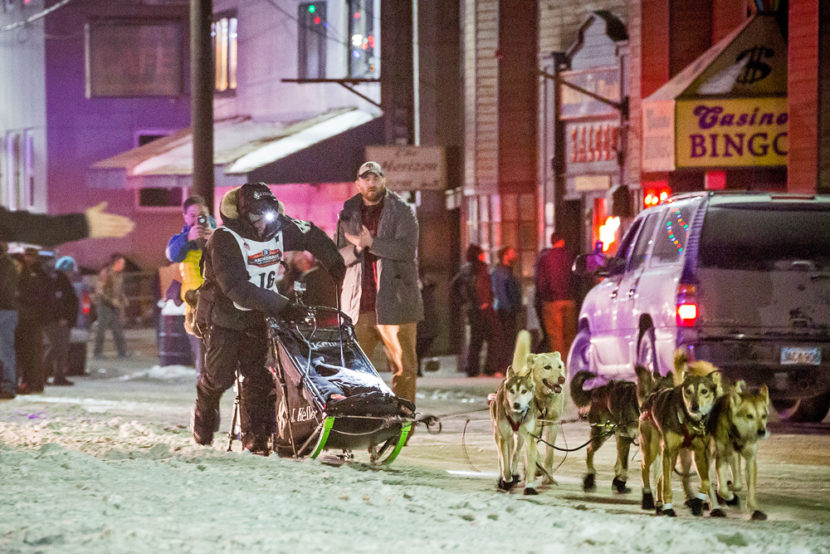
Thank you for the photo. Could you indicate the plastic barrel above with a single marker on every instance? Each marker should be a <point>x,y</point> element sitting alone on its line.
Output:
<point>174,344</point>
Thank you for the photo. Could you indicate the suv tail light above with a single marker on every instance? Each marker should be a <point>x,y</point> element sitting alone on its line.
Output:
<point>86,304</point>
<point>686,305</point>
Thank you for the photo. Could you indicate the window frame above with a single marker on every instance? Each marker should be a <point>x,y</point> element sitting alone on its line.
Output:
<point>230,67</point>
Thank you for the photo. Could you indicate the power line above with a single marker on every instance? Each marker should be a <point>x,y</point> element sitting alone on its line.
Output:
<point>32,18</point>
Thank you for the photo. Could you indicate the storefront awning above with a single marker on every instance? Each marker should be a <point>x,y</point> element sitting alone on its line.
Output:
<point>728,108</point>
<point>324,148</point>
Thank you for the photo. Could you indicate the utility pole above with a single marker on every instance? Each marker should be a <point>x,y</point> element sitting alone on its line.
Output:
<point>201,100</point>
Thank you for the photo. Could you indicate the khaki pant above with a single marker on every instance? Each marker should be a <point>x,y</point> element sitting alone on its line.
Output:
<point>559,319</point>
<point>399,344</point>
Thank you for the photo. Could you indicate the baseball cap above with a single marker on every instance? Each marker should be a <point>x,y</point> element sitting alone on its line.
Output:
<point>370,167</point>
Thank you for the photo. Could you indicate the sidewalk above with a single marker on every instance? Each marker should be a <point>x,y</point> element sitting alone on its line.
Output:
<point>142,344</point>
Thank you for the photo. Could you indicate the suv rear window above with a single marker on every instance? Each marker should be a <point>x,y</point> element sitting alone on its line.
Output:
<point>764,236</point>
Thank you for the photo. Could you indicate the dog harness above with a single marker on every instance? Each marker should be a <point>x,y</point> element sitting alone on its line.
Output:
<point>515,424</point>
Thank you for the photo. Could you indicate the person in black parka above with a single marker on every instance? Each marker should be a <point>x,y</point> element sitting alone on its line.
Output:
<point>242,260</point>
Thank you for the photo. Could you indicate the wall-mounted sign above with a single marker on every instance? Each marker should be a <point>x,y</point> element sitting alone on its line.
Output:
<point>658,136</point>
<point>411,167</point>
<point>604,82</point>
<point>732,133</point>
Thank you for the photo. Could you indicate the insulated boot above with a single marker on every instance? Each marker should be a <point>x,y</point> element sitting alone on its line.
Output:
<point>256,444</point>
<point>204,422</point>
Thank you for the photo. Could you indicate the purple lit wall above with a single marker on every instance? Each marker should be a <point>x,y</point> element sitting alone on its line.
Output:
<point>81,130</point>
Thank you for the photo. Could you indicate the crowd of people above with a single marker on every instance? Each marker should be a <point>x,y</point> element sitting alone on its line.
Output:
<point>493,304</point>
<point>39,305</point>
<point>234,275</point>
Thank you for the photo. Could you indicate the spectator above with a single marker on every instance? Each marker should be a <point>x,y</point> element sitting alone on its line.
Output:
<point>320,289</point>
<point>49,230</point>
<point>63,308</point>
<point>555,301</point>
<point>110,302</point>
<point>508,302</point>
<point>378,238</point>
<point>32,314</point>
<point>186,248</point>
<point>9,270</point>
<point>473,284</point>
<point>427,327</point>
<point>240,269</point>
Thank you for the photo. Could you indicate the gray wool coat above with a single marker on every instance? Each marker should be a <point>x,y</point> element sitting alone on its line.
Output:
<point>396,247</point>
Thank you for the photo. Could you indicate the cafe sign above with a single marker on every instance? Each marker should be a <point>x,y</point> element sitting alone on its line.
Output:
<point>411,167</point>
<point>741,132</point>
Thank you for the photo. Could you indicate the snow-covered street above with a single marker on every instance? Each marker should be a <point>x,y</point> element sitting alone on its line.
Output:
<point>109,466</point>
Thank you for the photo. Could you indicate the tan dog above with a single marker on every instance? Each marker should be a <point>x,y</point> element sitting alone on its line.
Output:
<point>548,372</point>
<point>672,420</point>
<point>513,414</point>
<point>738,421</point>
<point>613,408</point>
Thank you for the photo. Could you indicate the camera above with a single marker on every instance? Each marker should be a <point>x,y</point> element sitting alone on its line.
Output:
<point>202,220</point>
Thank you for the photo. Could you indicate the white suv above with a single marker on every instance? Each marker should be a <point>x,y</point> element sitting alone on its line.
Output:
<point>738,279</point>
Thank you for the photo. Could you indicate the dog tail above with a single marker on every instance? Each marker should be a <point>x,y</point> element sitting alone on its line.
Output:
<point>521,352</point>
<point>681,360</point>
<point>580,396</point>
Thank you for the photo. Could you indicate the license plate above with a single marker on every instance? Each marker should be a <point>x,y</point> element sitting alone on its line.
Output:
<point>800,355</point>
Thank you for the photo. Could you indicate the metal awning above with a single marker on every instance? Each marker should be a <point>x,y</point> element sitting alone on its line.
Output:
<point>246,150</point>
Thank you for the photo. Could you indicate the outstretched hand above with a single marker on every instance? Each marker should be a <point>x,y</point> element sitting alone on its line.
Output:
<point>102,224</point>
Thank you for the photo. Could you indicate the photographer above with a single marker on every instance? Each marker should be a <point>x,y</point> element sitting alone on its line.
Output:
<point>242,262</point>
<point>186,249</point>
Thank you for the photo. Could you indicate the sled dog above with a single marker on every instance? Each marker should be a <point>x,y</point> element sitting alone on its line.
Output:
<point>738,421</point>
<point>513,414</point>
<point>612,408</point>
<point>672,420</point>
<point>548,372</point>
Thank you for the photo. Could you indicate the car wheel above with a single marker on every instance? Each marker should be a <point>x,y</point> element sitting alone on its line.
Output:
<point>805,410</point>
<point>579,356</point>
<point>646,351</point>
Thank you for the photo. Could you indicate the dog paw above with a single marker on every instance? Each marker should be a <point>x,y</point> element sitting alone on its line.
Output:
<point>758,515</point>
<point>589,482</point>
<point>731,502</point>
<point>696,505</point>
<point>717,512</point>
<point>619,485</point>
<point>505,485</point>
<point>530,491</point>
<point>648,501</point>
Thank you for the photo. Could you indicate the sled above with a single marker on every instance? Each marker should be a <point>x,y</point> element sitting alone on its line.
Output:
<point>328,395</point>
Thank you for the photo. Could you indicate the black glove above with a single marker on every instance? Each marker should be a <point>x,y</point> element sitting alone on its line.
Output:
<point>338,272</point>
<point>296,312</point>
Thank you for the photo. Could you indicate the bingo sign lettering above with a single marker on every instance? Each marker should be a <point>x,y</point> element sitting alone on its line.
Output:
<point>731,132</point>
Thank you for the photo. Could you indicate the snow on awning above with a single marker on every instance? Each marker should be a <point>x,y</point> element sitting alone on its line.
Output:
<point>241,146</point>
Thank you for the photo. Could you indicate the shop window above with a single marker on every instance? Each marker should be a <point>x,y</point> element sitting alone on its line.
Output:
<point>311,36</point>
<point>363,42</point>
<point>131,58</point>
<point>18,183</point>
<point>223,32</point>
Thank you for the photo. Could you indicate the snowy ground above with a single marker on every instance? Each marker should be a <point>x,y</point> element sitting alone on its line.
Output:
<point>109,466</point>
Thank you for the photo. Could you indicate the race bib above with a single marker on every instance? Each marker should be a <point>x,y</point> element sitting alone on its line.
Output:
<point>262,261</point>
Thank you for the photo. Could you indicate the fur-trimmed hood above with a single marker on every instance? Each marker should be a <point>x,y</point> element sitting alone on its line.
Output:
<point>230,214</point>
<point>228,209</point>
